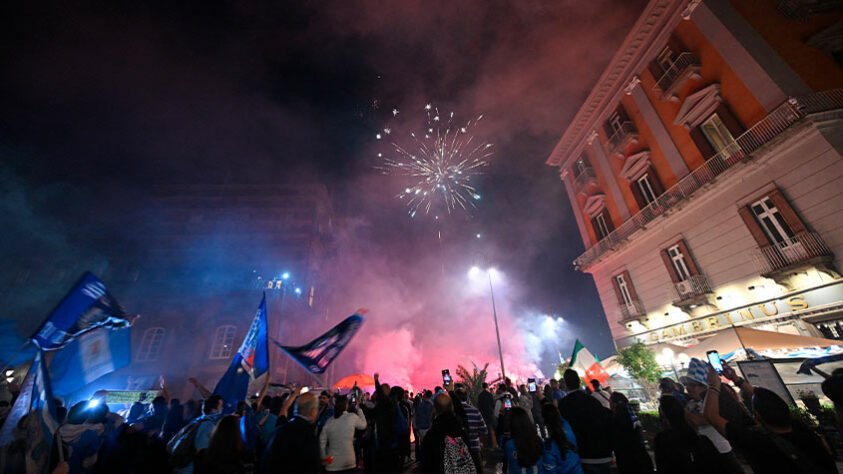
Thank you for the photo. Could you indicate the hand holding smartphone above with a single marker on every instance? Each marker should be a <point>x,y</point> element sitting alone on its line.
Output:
<point>714,360</point>
<point>446,377</point>
<point>531,385</point>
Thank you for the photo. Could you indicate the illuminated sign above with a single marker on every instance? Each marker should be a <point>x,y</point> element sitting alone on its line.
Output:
<point>784,306</point>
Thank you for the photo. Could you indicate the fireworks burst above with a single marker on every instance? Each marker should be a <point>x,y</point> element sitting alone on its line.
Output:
<point>441,161</point>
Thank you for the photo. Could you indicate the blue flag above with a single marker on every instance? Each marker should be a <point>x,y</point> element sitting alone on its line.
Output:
<point>35,399</point>
<point>89,357</point>
<point>87,306</point>
<point>250,361</point>
<point>317,355</point>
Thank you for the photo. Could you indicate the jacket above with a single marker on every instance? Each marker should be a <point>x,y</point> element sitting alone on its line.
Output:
<point>293,448</point>
<point>337,440</point>
<point>423,414</point>
<point>592,425</point>
<point>433,445</point>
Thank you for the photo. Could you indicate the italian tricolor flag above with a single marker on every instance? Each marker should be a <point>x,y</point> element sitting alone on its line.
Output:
<point>587,365</point>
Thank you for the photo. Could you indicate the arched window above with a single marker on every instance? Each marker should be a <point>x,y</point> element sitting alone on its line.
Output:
<point>223,344</point>
<point>150,347</point>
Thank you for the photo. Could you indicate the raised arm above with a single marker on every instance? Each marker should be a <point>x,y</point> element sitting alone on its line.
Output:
<point>265,389</point>
<point>204,391</point>
<point>711,408</point>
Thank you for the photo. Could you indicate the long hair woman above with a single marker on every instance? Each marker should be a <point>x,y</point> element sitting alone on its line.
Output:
<point>630,452</point>
<point>678,447</point>
<point>225,452</point>
<point>336,441</point>
<point>524,449</point>
<point>560,448</point>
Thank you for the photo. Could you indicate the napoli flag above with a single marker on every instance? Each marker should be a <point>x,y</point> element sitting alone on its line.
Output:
<point>250,361</point>
<point>317,355</point>
<point>87,306</point>
<point>89,357</point>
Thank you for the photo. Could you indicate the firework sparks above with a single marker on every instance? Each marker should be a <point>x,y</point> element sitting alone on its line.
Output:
<point>442,162</point>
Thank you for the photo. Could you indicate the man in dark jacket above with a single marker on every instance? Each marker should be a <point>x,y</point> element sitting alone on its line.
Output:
<point>592,425</point>
<point>294,446</point>
<point>445,423</point>
<point>486,405</point>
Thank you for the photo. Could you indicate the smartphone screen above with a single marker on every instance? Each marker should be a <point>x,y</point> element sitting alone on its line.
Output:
<point>532,386</point>
<point>446,376</point>
<point>714,360</point>
<point>507,403</point>
<point>305,390</point>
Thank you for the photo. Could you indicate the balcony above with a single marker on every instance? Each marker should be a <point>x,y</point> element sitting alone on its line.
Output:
<point>804,250</point>
<point>780,119</point>
<point>633,312</point>
<point>692,292</point>
<point>622,137</point>
<point>686,67</point>
<point>586,178</point>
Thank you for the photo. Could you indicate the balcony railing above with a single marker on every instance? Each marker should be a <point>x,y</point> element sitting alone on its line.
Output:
<point>586,176</point>
<point>632,311</point>
<point>801,248</point>
<point>685,67</point>
<point>695,285</point>
<point>768,128</point>
<point>626,134</point>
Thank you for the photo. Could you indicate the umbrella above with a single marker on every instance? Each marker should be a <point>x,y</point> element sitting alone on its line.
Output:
<point>362,380</point>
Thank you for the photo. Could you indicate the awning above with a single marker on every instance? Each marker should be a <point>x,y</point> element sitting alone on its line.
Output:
<point>727,341</point>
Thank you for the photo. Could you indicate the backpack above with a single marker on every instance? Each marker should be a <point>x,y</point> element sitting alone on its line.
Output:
<point>457,458</point>
<point>182,446</point>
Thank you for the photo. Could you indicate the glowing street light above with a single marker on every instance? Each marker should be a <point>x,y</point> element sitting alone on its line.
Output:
<point>298,291</point>
<point>473,273</point>
<point>285,275</point>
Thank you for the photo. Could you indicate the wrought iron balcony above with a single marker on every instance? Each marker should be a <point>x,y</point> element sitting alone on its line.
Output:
<point>622,137</point>
<point>632,312</point>
<point>686,66</point>
<point>585,178</point>
<point>694,286</point>
<point>768,128</point>
<point>804,248</point>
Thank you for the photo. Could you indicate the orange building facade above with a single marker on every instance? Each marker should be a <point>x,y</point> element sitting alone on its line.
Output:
<point>705,172</point>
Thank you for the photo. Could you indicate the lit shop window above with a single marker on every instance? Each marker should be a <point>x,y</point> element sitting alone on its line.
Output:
<point>223,345</point>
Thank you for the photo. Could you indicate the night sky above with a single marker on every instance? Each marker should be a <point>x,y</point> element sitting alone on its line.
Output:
<point>102,101</point>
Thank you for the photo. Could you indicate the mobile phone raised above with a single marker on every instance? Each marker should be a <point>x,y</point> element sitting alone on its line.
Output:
<point>446,376</point>
<point>714,360</point>
<point>531,384</point>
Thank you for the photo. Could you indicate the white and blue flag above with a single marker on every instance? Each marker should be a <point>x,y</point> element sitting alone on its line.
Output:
<point>89,357</point>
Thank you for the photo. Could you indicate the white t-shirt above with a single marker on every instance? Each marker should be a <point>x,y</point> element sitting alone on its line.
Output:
<point>719,442</point>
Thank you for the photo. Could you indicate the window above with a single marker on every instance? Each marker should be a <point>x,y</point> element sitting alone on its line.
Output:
<point>615,121</point>
<point>646,188</point>
<point>150,347</point>
<point>718,134</point>
<point>627,298</point>
<point>678,261</point>
<point>772,221</point>
<point>223,345</point>
<point>580,166</point>
<point>666,59</point>
<point>623,289</point>
<point>601,227</point>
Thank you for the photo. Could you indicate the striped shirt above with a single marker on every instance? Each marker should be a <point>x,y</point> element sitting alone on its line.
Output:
<point>476,426</point>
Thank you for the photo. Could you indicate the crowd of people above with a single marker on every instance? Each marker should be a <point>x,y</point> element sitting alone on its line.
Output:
<point>562,427</point>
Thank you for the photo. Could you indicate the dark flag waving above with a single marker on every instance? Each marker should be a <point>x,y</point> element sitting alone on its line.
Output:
<point>317,355</point>
<point>87,306</point>
<point>250,361</point>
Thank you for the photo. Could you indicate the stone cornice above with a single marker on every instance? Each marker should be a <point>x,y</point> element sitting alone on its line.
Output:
<point>641,45</point>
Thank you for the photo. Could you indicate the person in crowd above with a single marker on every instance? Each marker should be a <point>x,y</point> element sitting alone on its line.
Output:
<point>446,428</point>
<point>525,400</point>
<point>678,448</point>
<point>600,394</point>
<point>137,411</point>
<point>630,452</point>
<point>336,441</point>
<point>294,447</point>
<point>266,419</point>
<point>475,426</point>
<point>81,438</point>
<point>592,424</point>
<point>174,421</point>
<point>385,443</point>
<point>486,405</point>
<point>423,418</point>
<point>695,385</point>
<point>556,392</point>
<point>560,447</point>
<point>404,411</point>
<point>326,410</point>
<point>153,422</point>
<point>524,449</point>
<point>777,443</point>
<point>832,388</point>
<point>225,453</point>
<point>192,410</point>
<point>668,387</point>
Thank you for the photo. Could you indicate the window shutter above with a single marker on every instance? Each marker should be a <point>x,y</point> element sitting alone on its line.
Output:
<point>669,265</point>
<point>729,120</point>
<point>655,69</point>
<point>636,193</point>
<point>789,215</point>
<point>596,229</point>
<point>702,143</point>
<point>689,259</point>
<point>655,181</point>
<point>618,290</point>
<point>628,280</point>
<point>754,227</point>
<point>606,217</point>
